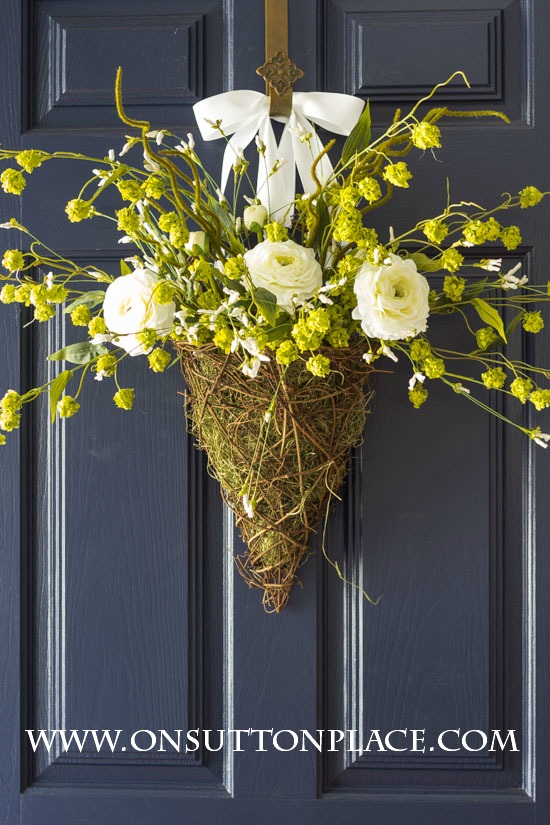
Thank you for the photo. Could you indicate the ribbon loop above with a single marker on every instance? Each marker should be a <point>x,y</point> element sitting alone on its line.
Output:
<point>243,114</point>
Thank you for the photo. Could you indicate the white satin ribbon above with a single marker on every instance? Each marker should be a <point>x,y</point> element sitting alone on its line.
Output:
<point>245,114</point>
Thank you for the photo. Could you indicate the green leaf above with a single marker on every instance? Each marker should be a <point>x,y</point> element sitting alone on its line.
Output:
<point>266,303</point>
<point>359,137</point>
<point>124,268</point>
<point>323,217</point>
<point>89,299</point>
<point>80,353</point>
<point>56,389</point>
<point>425,264</point>
<point>513,323</point>
<point>490,316</point>
<point>279,331</point>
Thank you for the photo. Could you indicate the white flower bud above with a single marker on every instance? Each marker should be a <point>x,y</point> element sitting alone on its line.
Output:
<point>254,217</point>
<point>197,243</point>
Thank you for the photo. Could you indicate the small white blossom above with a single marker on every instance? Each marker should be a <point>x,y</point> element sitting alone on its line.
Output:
<point>268,416</point>
<point>111,154</point>
<point>461,389</point>
<point>48,280</point>
<point>491,264</point>
<point>389,353</point>
<point>417,377</point>
<point>542,439</point>
<point>233,296</point>
<point>301,133</point>
<point>368,357</point>
<point>511,281</point>
<point>126,148</point>
<point>248,506</point>
<point>260,145</point>
<point>392,236</point>
<point>190,140</point>
<point>125,239</point>
<point>250,344</point>
<point>252,368</point>
<point>102,338</point>
<point>324,299</point>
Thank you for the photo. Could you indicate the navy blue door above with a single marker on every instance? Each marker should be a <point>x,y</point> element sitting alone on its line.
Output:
<point>120,604</point>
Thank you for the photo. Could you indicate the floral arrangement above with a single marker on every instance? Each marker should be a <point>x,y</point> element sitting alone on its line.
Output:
<point>278,317</point>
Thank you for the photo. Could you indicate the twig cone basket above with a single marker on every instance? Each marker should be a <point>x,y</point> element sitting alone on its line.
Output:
<point>281,439</point>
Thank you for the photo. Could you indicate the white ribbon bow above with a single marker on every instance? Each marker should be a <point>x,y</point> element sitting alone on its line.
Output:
<point>245,114</point>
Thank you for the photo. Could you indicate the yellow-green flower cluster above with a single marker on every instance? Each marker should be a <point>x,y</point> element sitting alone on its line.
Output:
<point>124,398</point>
<point>486,337</point>
<point>318,365</point>
<point>179,234</point>
<point>12,181</point>
<point>453,287</point>
<point>235,268</point>
<point>159,360</point>
<point>106,365</point>
<point>532,321</point>
<point>420,349</point>
<point>79,210</point>
<point>287,352</point>
<point>10,405</point>
<point>511,237</point>
<point>130,190</point>
<point>96,327</point>
<point>521,388</point>
<point>435,230</point>
<point>540,399</point>
<point>433,367</point>
<point>13,260</point>
<point>529,196</point>
<point>30,159</point>
<point>451,260</point>
<point>224,338</point>
<point>426,135</point>
<point>127,220</point>
<point>67,406</point>
<point>494,378</point>
<point>369,189</point>
<point>275,232</point>
<point>81,316</point>
<point>397,174</point>
<point>418,395</point>
<point>153,187</point>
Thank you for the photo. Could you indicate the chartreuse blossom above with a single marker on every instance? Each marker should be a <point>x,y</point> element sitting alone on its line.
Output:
<point>124,398</point>
<point>426,135</point>
<point>81,316</point>
<point>494,378</point>
<point>67,406</point>
<point>79,210</point>
<point>540,399</point>
<point>530,196</point>
<point>453,287</point>
<point>532,321</point>
<point>13,260</point>
<point>398,174</point>
<point>521,388</point>
<point>13,181</point>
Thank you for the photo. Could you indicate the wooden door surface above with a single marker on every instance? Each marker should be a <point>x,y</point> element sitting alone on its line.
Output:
<point>120,604</point>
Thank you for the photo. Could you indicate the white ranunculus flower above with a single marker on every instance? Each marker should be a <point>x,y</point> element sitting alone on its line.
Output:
<point>392,299</point>
<point>129,307</point>
<point>286,269</point>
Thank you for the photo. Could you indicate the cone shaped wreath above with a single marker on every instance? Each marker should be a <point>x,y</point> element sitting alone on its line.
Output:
<point>292,459</point>
<point>277,310</point>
